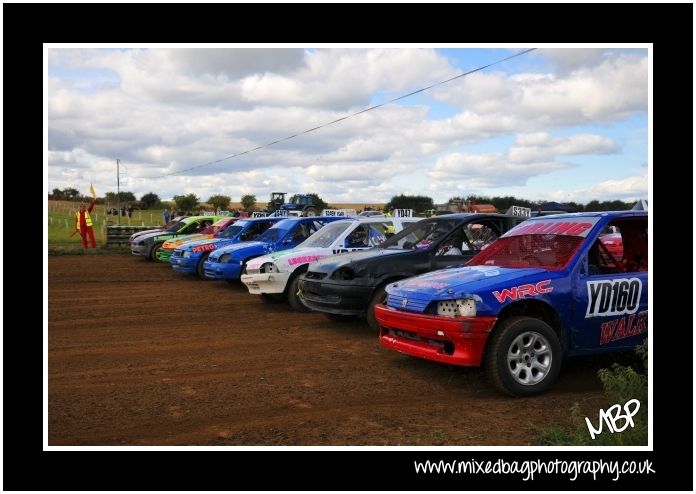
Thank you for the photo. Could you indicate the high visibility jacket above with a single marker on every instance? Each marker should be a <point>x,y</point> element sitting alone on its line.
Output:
<point>88,219</point>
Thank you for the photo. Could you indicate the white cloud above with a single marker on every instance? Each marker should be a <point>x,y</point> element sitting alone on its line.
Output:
<point>163,110</point>
<point>236,62</point>
<point>541,146</point>
<point>568,59</point>
<point>614,89</point>
<point>627,189</point>
<point>531,155</point>
<point>472,171</point>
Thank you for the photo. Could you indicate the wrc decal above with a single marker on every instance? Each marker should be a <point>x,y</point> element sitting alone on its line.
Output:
<point>613,297</point>
<point>522,291</point>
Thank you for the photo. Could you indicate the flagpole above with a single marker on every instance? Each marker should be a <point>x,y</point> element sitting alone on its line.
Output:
<point>118,191</point>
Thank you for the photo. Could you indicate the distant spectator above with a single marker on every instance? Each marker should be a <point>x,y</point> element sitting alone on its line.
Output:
<point>172,214</point>
<point>166,216</point>
<point>129,208</point>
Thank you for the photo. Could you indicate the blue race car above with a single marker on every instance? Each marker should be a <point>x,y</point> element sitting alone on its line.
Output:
<point>229,262</point>
<point>547,289</point>
<point>189,257</point>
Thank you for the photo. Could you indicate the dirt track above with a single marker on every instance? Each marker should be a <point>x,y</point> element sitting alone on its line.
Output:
<point>140,355</point>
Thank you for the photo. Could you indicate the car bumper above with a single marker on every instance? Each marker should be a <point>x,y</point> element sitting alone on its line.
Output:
<point>140,250</point>
<point>184,264</point>
<point>459,341</point>
<point>222,271</point>
<point>164,255</point>
<point>334,298</point>
<point>265,282</point>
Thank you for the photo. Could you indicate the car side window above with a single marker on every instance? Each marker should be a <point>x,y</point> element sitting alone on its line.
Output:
<point>358,238</point>
<point>251,233</point>
<point>192,227</point>
<point>480,235</point>
<point>377,234</point>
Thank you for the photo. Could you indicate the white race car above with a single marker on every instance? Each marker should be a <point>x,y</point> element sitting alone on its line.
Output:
<point>275,276</point>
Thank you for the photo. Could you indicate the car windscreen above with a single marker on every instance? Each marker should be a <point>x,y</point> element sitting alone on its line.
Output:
<point>326,236</point>
<point>276,232</point>
<point>552,252</point>
<point>421,235</point>
<point>233,230</point>
<point>176,226</point>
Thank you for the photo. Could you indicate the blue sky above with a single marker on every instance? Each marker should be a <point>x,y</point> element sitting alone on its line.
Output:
<point>553,124</point>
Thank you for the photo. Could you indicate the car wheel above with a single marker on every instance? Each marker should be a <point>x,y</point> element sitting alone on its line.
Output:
<point>523,357</point>
<point>200,269</point>
<point>379,297</point>
<point>294,297</point>
<point>153,252</point>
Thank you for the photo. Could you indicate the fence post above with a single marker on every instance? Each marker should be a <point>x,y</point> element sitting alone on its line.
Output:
<point>66,223</point>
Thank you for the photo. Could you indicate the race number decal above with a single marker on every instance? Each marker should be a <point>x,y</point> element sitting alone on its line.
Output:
<point>613,297</point>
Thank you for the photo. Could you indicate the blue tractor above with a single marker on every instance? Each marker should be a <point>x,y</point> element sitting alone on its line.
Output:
<point>299,205</point>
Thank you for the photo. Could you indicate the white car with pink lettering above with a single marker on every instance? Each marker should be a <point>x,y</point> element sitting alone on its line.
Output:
<point>275,276</point>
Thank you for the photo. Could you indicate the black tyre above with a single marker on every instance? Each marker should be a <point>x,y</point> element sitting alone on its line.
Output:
<point>293,296</point>
<point>200,269</point>
<point>340,317</point>
<point>523,357</point>
<point>378,297</point>
<point>153,252</point>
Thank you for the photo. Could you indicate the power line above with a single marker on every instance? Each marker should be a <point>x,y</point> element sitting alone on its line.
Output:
<point>346,117</point>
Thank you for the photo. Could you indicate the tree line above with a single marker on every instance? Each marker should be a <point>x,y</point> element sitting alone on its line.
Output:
<point>190,202</point>
<point>501,203</point>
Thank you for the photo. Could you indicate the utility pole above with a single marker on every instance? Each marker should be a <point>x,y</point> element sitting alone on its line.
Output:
<point>118,190</point>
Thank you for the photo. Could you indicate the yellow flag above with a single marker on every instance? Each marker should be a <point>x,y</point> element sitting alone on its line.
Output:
<point>91,190</point>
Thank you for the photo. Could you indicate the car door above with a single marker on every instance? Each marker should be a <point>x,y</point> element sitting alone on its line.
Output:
<point>610,296</point>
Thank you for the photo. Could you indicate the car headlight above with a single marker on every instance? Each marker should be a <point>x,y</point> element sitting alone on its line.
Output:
<point>225,258</point>
<point>462,307</point>
<point>187,254</point>
<point>347,273</point>
<point>269,267</point>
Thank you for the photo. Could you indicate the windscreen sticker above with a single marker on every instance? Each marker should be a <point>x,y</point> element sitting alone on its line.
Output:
<point>577,227</point>
<point>613,297</point>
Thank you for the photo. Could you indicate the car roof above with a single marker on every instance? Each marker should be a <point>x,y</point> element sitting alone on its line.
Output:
<point>591,214</point>
<point>461,216</point>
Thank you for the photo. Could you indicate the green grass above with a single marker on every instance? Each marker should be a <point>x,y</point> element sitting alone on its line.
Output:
<point>61,222</point>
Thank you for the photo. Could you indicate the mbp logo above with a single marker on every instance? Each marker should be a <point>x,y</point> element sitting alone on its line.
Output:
<point>613,297</point>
